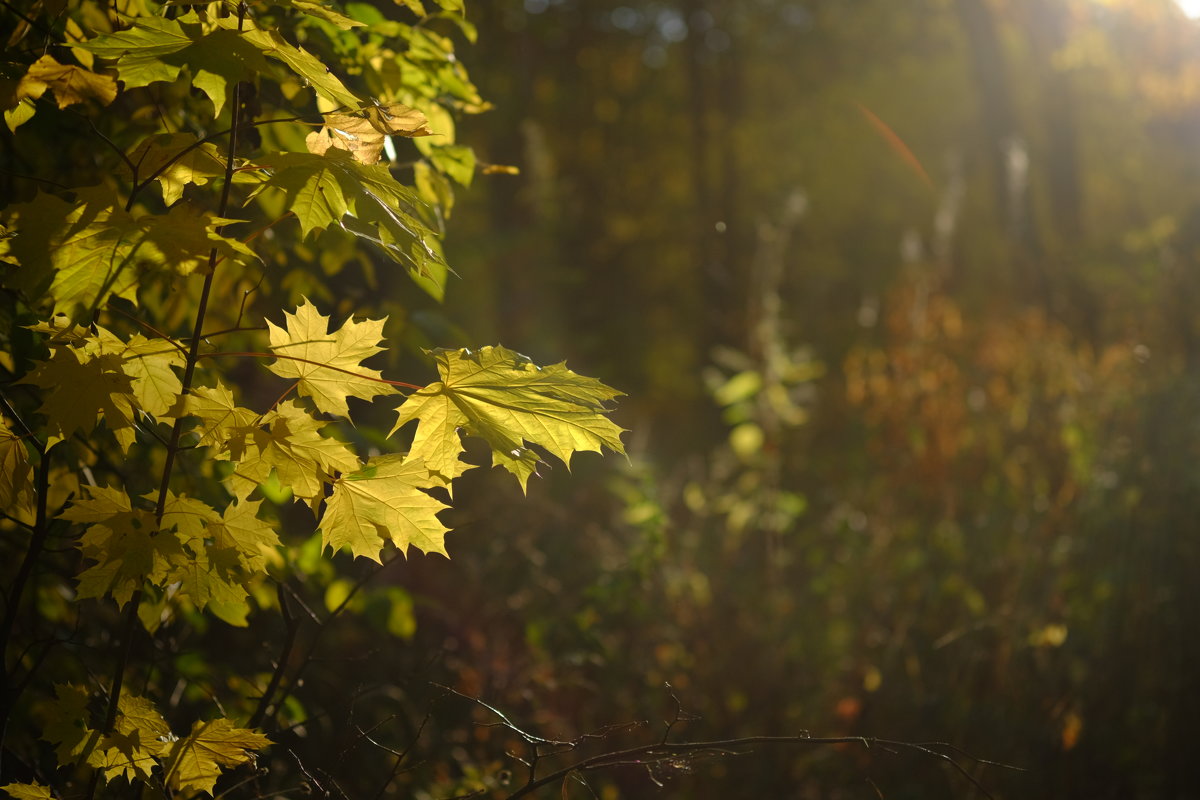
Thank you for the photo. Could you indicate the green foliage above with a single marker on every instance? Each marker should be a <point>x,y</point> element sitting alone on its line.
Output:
<point>124,429</point>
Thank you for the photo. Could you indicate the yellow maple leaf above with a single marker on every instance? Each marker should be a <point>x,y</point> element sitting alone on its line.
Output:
<point>328,366</point>
<point>383,502</point>
<point>70,84</point>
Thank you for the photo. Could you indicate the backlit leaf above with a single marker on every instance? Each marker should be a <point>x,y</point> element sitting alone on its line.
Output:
<point>335,190</point>
<point>362,134</point>
<point>503,398</point>
<point>130,750</point>
<point>16,484</point>
<point>66,724</point>
<point>320,10</point>
<point>28,791</point>
<point>197,166</point>
<point>327,365</point>
<point>79,253</point>
<point>183,239</point>
<point>288,441</point>
<point>307,66</point>
<point>383,502</point>
<point>123,542</point>
<point>81,387</point>
<point>196,761</point>
<point>70,84</point>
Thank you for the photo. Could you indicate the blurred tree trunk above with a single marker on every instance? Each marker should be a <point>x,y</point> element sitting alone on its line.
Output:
<point>726,295</point>
<point>1046,23</point>
<point>705,237</point>
<point>1005,147</point>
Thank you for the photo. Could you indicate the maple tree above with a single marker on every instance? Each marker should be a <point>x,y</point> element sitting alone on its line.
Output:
<point>266,128</point>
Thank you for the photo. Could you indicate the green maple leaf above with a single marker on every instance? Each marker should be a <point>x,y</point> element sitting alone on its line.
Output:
<point>310,68</point>
<point>79,253</point>
<point>383,502</point>
<point>224,425</point>
<point>155,49</point>
<point>16,484</point>
<point>503,398</point>
<point>364,199</point>
<point>195,762</point>
<point>123,542</point>
<point>182,239</point>
<point>67,722</point>
<point>327,367</point>
<point>199,577</point>
<point>198,165</point>
<point>150,365</point>
<point>289,442</point>
<point>241,533</point>
<point>138,737</point>
<point>220,552</point>
<point>81,386</point>
<point>321,11</point>
<point>99,376</point>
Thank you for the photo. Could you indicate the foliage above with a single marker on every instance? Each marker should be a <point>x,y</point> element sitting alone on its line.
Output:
<point>207,161</point>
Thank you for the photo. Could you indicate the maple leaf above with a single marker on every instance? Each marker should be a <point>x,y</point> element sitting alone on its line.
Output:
<point>289,442</point>
<point>224,425</point>
<point>327,366</point>
<point>16,485</point>
<point>81,386</point>
<point>70,84</point>
<point>336,190</point>
<point>362,134</point>
<point>123,542</point>
<point>203,574</point>
<point>182,239</point>
<point>78,253</point>
<point>307,66</point>
<point>320,11</point>
<point>195,761</point>
<point>28,791</point>
<point>137,738</point>
<point>150,365</point>
<point>383,502</point>
<point>219,551</point>
<point>503,398</point>
<point>67,722</point>
<point>200,164</point>
<point>100,376</point>
<point>155,49</point>
<point>242,533</point>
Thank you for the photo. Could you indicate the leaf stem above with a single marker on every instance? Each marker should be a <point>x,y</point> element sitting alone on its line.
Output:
<point>250,354</point>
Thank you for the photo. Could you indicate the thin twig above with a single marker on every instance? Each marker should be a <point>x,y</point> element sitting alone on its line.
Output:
<point>294,683</point>
<point>291,627</point>
<point>658,752</point>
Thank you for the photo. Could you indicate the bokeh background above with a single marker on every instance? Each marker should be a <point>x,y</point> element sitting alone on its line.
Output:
<point>903,297</point>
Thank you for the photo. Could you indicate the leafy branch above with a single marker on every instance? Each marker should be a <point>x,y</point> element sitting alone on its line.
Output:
<point>131,613</point>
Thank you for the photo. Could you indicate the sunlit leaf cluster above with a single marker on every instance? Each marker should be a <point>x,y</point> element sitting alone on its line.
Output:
<point>208,152</point>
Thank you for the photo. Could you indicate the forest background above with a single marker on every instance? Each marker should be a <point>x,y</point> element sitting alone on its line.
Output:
<point>902,297</point>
